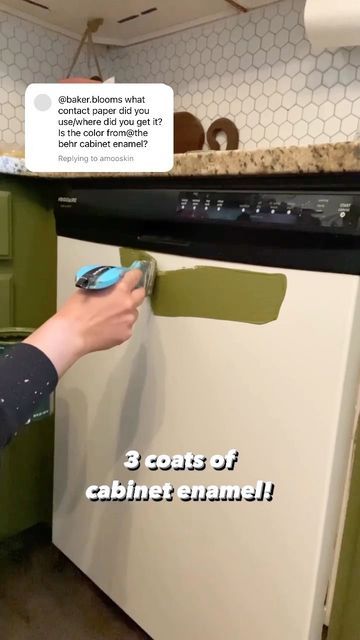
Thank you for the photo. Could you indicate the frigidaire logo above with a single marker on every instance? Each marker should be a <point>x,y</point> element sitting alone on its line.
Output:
<point>64,199</point>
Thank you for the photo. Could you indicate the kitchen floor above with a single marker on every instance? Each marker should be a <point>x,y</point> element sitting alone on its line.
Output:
<point>43,595</point>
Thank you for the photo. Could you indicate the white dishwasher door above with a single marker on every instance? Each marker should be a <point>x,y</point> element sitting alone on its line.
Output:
<point>283,394</point>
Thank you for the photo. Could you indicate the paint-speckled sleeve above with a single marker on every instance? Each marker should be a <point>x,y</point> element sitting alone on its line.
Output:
<point>27,376</point>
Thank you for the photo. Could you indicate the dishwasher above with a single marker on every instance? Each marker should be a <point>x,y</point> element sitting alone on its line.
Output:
<point>254,367</point>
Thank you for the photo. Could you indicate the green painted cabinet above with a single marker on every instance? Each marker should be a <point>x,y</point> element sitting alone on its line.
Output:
<point>345,617</point>
<point>5,225</point>
<point>27,298</point>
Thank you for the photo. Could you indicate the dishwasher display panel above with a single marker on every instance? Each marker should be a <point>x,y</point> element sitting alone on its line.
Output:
<point>316,212</point>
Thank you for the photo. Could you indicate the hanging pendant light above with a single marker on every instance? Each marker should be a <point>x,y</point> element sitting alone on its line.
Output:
<point>92,27</point>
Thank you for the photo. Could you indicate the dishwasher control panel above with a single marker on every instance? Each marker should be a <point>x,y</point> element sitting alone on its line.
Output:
<point>328,212</point>
<point>311,225</point>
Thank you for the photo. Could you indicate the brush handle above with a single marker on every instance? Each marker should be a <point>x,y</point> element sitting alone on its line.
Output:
<point>98,277</point>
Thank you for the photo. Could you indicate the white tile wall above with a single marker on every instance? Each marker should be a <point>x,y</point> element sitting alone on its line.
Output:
<point>30,53</point>
<point>257,69</point>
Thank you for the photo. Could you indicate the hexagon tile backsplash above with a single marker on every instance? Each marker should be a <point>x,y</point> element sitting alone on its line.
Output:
<point>257,69</point>
<point>31,53</point>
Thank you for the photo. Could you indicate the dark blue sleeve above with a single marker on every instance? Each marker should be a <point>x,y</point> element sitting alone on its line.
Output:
<point>27,376</point>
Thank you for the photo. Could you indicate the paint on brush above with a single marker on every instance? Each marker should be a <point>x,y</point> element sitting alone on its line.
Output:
<point>216,293</point>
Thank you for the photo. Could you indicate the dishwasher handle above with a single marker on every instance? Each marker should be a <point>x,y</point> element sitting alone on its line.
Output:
<point>161,240</point>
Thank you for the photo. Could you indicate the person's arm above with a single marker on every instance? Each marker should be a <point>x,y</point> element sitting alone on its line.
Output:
<point>27,377</point>
<point>89,321</point>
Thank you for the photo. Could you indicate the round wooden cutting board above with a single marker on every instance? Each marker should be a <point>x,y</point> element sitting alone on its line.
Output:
<point>223,125</point>
<point>189,134</point>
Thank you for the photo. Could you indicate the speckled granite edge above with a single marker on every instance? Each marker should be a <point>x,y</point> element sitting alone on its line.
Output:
<point>324,158</point>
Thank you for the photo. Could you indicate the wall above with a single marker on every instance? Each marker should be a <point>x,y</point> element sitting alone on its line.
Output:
<point>30,53</point>
<point>258,69</point>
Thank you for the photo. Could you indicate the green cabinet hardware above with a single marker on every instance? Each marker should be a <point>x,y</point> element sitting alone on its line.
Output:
<point>5,225</point>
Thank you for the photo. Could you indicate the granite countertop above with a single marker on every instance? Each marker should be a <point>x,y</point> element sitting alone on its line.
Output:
<point>322,158</point>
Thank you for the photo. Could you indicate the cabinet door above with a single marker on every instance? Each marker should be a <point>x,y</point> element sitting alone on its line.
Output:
<point>27,299</point>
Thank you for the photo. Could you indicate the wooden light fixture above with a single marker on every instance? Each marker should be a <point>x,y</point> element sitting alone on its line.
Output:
<point>92,27</point>
<point>238,6</point>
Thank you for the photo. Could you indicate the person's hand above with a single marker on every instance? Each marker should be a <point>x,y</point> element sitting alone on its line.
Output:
<point>90,321</point>
<point>104,319</point>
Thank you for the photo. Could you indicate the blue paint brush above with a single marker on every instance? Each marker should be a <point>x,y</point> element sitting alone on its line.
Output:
<point>99,277</point>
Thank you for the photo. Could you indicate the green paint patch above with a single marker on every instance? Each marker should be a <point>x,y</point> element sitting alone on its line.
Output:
<point>215,292</point>
<point>128,256</point>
